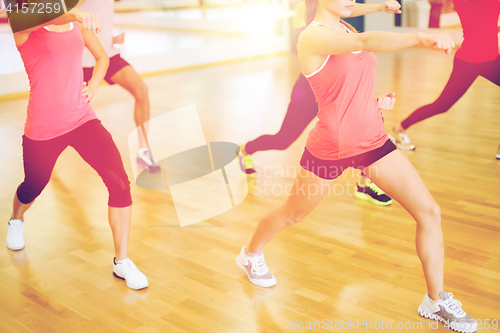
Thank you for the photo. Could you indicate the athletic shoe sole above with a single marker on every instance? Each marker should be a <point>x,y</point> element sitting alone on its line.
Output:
<point>16,248</point>
<point>151,168</point>
<point>254,281</point>
<point>137,288</point>
<point>367,197</point>
<point>498,157</point>
<point>433,316</point>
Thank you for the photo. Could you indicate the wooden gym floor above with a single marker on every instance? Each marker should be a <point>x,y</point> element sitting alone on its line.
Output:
<point>348,261</point>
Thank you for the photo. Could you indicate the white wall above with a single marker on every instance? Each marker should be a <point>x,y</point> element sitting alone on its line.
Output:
<point>378,21</point>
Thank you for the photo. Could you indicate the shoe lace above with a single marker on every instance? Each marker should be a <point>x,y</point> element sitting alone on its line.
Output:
<point>129,266</point>
<point>404,137</point>
<point>454,306</point>
<point>16,228</point>
<point>375,188</point>
<point>259,266</point>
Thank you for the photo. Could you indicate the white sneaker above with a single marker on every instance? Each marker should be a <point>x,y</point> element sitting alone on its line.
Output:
<point>125,269</point>
<point>256,269</point>
<point>401,140</point>
<point>145,161</point>
<point>449,311</point>
<point>15,236</point>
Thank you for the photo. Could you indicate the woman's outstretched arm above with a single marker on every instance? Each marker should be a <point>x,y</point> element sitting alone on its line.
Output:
<point>327,41</point>
<point>391,7</point>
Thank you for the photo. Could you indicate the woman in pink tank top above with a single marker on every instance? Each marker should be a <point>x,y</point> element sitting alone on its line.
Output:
<point>340,67</point>
<point>60,115</point>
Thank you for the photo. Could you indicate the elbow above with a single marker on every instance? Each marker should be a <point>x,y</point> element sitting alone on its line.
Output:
<point>104,60</point>
<point>364,44</point>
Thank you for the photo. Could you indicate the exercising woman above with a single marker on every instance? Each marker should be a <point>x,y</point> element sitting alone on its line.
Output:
<point>478,56</point>
<point>340,67</point>
<point>120,72</point>
<point>60,115</point>
<point>303,108</point>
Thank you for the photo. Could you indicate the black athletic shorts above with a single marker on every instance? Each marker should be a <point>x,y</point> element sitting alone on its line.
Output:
<point>115,64</point>
<point>331,169</point>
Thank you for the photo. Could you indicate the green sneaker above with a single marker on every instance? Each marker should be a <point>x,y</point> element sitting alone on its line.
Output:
<point>373,193</point>
<point>246,163</point>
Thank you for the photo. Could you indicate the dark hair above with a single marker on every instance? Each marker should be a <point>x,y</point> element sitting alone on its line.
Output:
<point>312,9</point>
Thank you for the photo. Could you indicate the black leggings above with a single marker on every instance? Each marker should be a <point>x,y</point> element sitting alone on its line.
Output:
<point>94,144</point>
<point>301,111</point>
<point>463,75</point>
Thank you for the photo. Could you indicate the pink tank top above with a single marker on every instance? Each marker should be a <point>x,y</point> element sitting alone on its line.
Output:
<point>53,62</point>
<point>350,122</point>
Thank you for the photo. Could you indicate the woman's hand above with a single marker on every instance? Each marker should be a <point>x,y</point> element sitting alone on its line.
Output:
<point>391,7</point>
<point>87,20</point>
<point>441,41</point>
<point>89,91</point>
<point>386,102</point>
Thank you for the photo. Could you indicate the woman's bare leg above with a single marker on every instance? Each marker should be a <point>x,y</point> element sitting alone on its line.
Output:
<point>19,209</point>
<point>307,192</point>
<point>396,176</point>
<point>119,220</point>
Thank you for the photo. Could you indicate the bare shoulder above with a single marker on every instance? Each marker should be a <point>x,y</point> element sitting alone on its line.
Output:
<point>314,35</point>
<point>308,34</point>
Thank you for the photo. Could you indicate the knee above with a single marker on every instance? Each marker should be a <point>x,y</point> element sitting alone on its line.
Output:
<point>435,211</point>
<point>294,218</point>
<point>282,144</point>
<point>26,193</point>
<point>116,182</point>
<point>431,215</point>
<point>118,189</point>
<point>442,105</point>
<point>141,92</point>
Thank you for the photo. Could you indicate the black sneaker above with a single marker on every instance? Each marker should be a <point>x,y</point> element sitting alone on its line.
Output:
<point>373,193</point>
